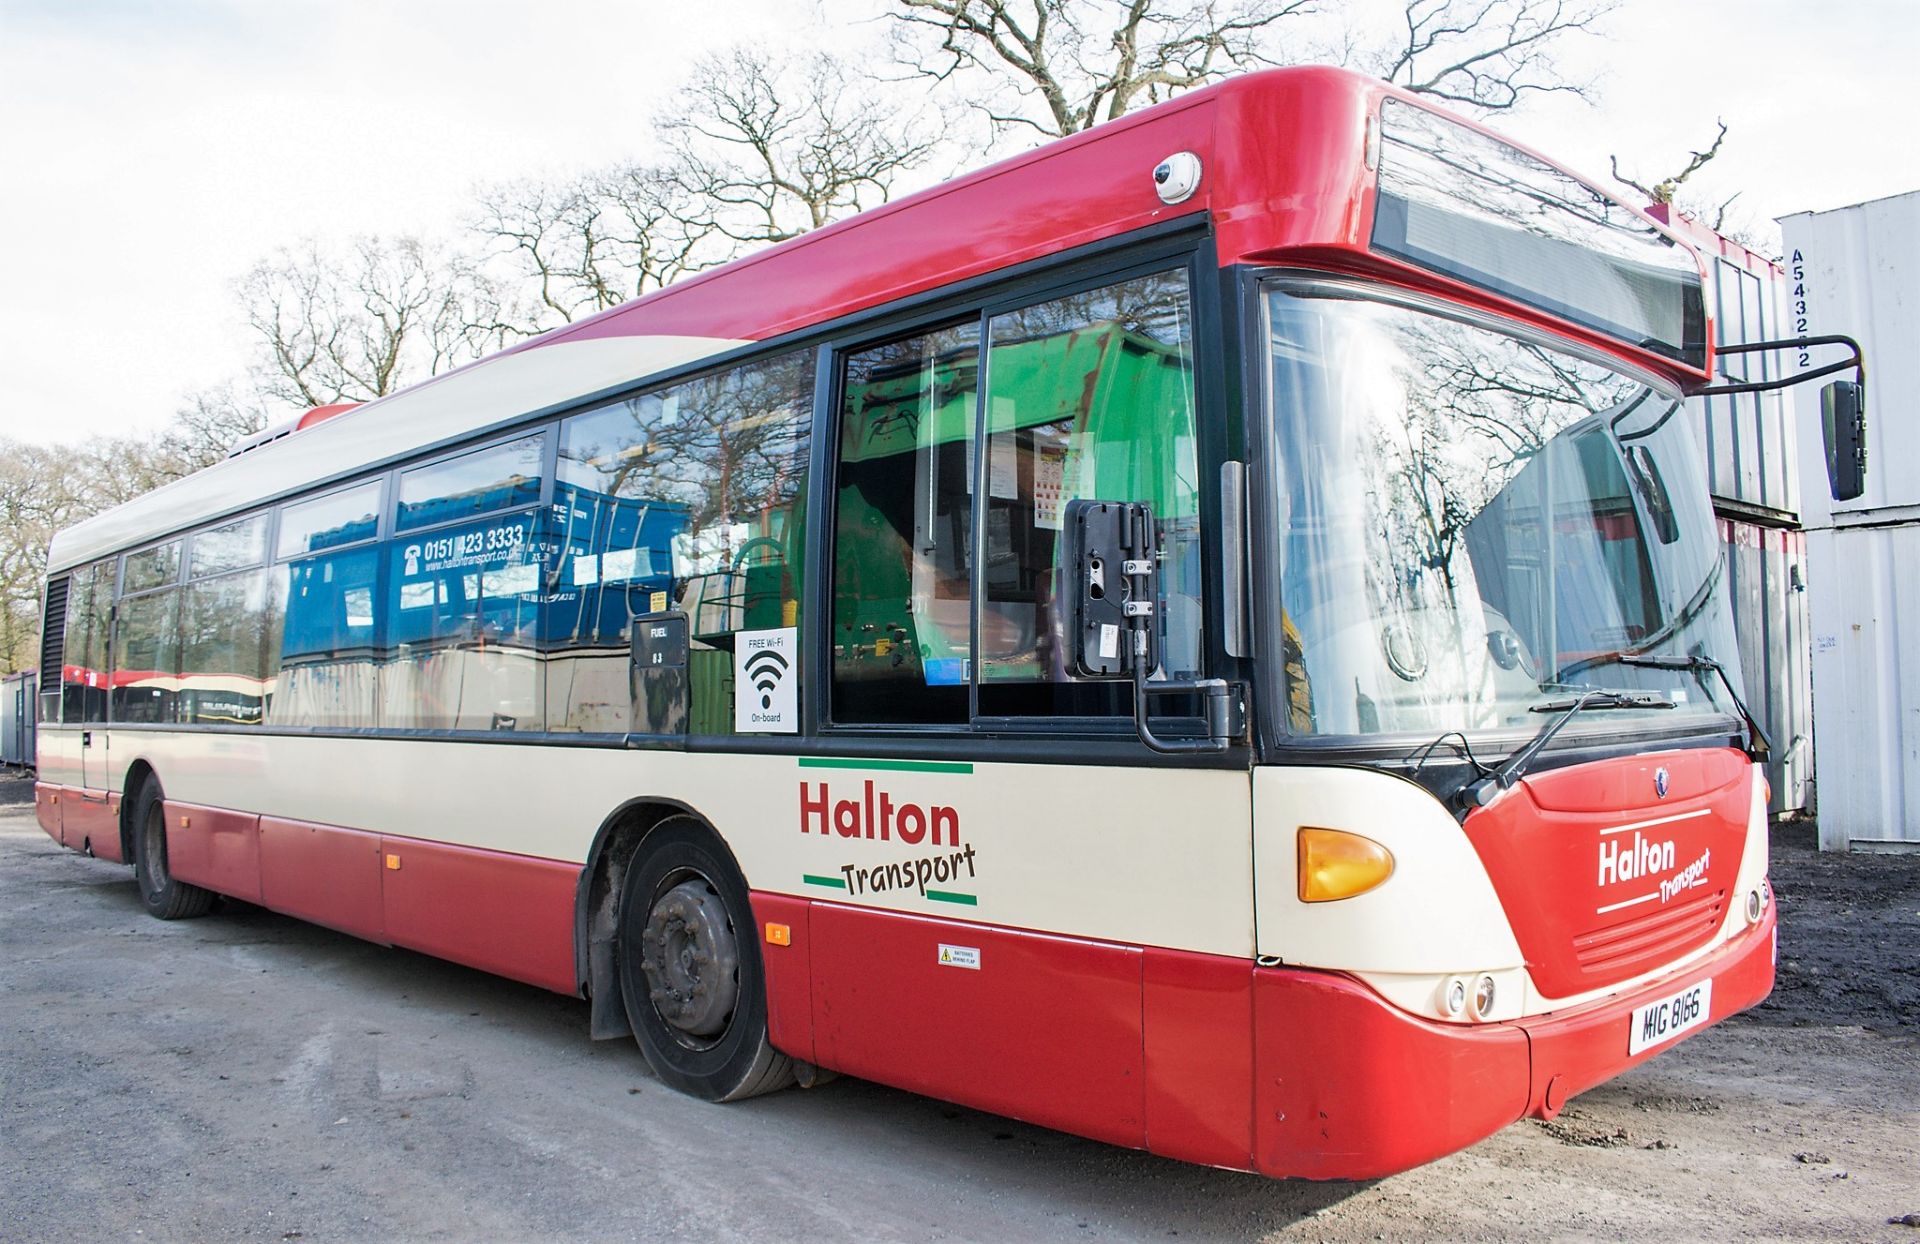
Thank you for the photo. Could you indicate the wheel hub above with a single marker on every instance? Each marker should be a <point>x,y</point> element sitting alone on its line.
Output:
<point>691,959</point>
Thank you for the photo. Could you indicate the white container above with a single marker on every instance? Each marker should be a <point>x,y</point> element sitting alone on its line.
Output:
<point>1864,593</point>
<point>1856,270</point>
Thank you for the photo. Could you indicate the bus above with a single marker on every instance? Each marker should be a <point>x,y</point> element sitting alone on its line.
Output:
<point>1208,635</point>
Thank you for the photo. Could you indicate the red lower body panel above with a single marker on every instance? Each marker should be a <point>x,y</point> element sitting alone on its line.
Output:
<point>89,821</point>
<point>789,973</point>
<point>1350,1088</point>
<point>1200,1057</point>
<point>322,873</point>
<point>46,809</point>
<point>214,848</point>
<point>1204,1058</point>
<point>507,914</point>
<point>1045,1029</point>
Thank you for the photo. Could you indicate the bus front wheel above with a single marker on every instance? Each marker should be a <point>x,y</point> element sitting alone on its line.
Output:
<point>161,893</point>
<point>690,970</point>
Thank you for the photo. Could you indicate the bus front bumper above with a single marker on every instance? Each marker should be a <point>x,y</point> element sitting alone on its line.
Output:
<point>1349,1087</point>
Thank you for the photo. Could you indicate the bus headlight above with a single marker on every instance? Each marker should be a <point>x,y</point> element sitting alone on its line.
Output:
<point>1453,999</point>
<point>1756,905</point>
<point>1483,994</point>
<point>1335,864</point>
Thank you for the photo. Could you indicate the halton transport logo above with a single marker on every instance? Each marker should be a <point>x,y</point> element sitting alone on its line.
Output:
<point>874,814</point>
<point>1642,859</point>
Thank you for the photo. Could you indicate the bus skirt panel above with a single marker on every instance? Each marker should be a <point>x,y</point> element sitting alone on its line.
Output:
<point>1351,1088</point>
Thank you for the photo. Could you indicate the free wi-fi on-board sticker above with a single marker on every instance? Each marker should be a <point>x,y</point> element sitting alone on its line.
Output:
<point>766,676</point>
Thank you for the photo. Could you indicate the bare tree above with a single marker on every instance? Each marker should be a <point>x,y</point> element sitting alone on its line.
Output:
<point>356,325</point>
<point>591,243</point>
<point>778,147</point>
<point>207,425</point>
<point>1082,62</point>
<point>1489,55</point>
<point>1718,214</point>
<point>1662,191</point>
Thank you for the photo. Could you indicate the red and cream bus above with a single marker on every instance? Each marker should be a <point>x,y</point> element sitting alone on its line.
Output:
<point>1205,635</point>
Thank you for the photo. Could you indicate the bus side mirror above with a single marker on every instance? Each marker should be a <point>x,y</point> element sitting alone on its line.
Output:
<point>1843,426</point>
<point>1110,594</point>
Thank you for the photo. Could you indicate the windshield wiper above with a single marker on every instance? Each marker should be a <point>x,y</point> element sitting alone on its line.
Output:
<point>1759,746</point>
<point>1482,793</point>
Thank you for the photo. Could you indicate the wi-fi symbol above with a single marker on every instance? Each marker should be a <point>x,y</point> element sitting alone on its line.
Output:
<point>765,669</point>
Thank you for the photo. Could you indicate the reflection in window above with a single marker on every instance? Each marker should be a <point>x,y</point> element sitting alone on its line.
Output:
<point>690,498</point>
<point>146,658</point>
<point>328,654</point>
<point>84,676</point>
<point>151,568</point>
<point>1471,520</point>
<point>327,522</point>
<point>1089,396</point>
<point>902,626</point>
<point>497,478</point>
<point>460,629</point>
<point>234,546</point>
<point>229,636</point>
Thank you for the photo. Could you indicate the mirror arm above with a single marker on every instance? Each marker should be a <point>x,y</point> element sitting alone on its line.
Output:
<point>1224,713</point>
<point>1858,363</point>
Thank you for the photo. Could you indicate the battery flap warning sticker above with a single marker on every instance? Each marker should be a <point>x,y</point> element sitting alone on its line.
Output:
<point>959,956</point>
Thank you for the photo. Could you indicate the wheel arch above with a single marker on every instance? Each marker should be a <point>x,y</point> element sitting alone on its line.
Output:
<point>138,774</point>
<point>597,900</point>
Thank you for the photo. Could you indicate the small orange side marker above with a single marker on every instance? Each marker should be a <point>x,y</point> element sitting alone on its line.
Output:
<point>393,863</point>
<point>186,822</point>
<point>779,934</point>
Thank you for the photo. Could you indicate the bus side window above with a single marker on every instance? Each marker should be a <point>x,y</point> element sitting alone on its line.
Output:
<point>462,594</point>
<point>903,530</point>
<point>227,626</point>
<point>146,646</point>
<point>146,657</point>
<point>1089,396</point>
<point>84,677</point>
<point>324,660</point>
<point>689,499</point>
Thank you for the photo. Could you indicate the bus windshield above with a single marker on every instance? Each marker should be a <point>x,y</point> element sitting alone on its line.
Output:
<point>1474,525</point>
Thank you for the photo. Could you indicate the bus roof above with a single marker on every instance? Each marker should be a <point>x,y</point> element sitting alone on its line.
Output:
<point>1286,180</point>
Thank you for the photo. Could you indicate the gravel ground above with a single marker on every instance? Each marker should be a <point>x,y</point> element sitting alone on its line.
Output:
<point>1849,938</point>
<point>248,1077</point>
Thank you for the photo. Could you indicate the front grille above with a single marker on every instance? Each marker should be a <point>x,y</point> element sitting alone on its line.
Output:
<point>1650,940</point>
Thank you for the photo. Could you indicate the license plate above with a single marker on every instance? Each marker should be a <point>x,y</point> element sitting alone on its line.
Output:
<point>1659,1022</point>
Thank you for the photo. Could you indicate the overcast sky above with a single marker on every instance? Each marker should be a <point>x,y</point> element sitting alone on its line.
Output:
<point>151,151</point>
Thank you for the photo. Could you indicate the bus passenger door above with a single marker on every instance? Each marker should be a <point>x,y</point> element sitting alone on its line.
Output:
<point>1038,922</point>
<point>89,820</point>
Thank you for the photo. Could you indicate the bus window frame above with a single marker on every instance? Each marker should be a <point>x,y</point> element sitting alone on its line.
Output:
<point>377,478</point>
<point>1274,744</point>
<point>547,427</point>
<point>1216,427</point>
<point>1219,400</point>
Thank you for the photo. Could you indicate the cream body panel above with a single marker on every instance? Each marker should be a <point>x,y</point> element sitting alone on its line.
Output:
<point>57,751</point>
<point>1437,913</point>
<point>447,407</point>
<point>1158,857</point>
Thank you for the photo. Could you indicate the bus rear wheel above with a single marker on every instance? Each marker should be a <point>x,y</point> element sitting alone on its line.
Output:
<point>690,970</point>
<point>163,895</point>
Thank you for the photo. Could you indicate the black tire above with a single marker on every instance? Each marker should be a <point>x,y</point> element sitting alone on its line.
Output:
<point>690,970</point>
<point>163,896</point>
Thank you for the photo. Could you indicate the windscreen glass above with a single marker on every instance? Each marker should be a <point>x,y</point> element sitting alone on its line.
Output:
<point>1457,202</point>
<point>1475,526</point>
